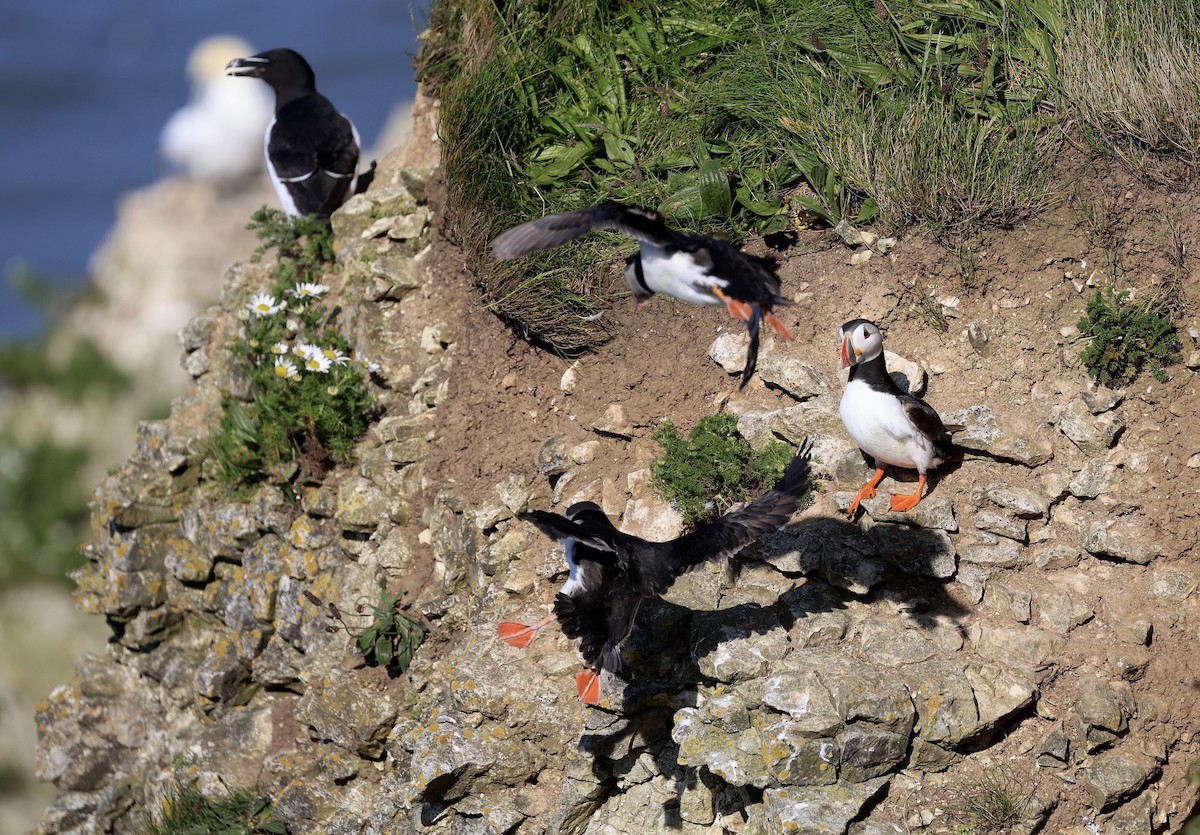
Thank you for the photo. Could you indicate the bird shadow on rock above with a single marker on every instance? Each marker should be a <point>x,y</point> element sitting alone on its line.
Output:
<point>672,651</point>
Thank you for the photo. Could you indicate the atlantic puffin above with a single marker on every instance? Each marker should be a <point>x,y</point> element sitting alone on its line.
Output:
<point>888,425</point>
<point>690,267</point>
<point>611,573</point>
<point>311,148</point>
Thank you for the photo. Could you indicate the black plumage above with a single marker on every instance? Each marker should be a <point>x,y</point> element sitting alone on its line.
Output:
<point>312,149</point>
<point>611,572</point>
<point>693,268</point>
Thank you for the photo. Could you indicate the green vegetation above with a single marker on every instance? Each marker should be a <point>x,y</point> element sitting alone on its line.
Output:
<point>310,401</point>
<point>37,364</point>
<point>1124,337</point>
<point>391,639</point>
<point>994,805</point>
<point>729,117</point>
<point>712,469</point>
<point>185,811</point>
<point>43,509</point>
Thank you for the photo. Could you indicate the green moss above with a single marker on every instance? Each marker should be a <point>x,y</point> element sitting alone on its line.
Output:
<point>185,811</point>
<point>1126,337</point>
<point>714,468</point>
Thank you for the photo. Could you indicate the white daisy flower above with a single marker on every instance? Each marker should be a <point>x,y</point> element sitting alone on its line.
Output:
<point>372,367</point>
<point>264,304</point>
<point>335,356</point>
<point>306,350</point>
<point>286,369</point>
<point>307,289</point>
<point>279,348</point>
<point>332,391</point>
<point>317,362</point>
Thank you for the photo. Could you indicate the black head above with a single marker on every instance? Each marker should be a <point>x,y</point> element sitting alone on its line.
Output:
<point>284,69</point>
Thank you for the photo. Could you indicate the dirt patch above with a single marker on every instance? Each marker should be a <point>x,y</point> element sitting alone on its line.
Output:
<point>1023,288</point>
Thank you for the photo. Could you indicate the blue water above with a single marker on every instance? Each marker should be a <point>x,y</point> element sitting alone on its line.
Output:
<point>86,85</point>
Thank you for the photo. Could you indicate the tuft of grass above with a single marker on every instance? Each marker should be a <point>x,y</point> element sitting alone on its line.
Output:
<point>1131,74</point>
<point>312,418</point>
<point>1125,337</point>
<point>995,804</point>
<point>713,468</point>
<point>928,307</point>
<point>392,637</point>
<point>185,811</point>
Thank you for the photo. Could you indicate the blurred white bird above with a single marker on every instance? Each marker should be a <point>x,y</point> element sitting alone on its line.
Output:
<point>218,137</point>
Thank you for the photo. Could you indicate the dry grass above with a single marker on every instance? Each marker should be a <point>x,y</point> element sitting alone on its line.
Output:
<point>1131,73</point>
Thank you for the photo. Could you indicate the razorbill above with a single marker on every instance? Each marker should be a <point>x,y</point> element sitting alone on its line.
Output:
<point>610,573</point>
<point>690,267</point>
<point>892,427</point>
<point>311,148</point>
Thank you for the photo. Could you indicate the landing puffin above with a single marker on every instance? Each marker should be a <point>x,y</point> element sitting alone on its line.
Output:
<point>888,425</point>
<point>690,267</point>
<point>311,148</point>
<point>611,572</point>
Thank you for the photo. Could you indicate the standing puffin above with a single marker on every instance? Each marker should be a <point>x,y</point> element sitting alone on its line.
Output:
<point>311,148</point>
<point>611,573</point>
<point>690,267</point>
<point>888,425</point>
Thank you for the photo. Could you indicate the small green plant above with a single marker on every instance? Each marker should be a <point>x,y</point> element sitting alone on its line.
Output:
<point>928,307</point>
<point>391,639</point>
<point>713,468</point>
<point>185,811</point>
<point>997,802</point>
<point>1124,337</point>
<point>309,395</point>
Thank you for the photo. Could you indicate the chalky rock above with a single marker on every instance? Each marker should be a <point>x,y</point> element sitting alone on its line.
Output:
<point>1121,539</point>
<point>1102,710</point>
<point>798,379</point>
<point>910,376</point>
<point>800,811</point>
<point>338,709</point>
<point>1092,434</point>
<point>614,423</point>
<point>1114,779</point>
<point>983,432</point>
<point>729,351</point>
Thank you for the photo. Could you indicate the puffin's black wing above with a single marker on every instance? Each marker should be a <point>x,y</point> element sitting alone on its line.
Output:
<point>600,615</point>
<point>749,278</point>
<point>927,421</point>
<point>555,230</point>
<point>596,537</point>
<point>753,326</point>
<point>659,565</point>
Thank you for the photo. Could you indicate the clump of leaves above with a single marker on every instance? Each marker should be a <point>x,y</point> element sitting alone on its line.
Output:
<point>713,468</point>
<point>185,811</point>
<point>1124,337</point>
<point>310,399</point>
<point>999,801</point>
<point>392,637</point>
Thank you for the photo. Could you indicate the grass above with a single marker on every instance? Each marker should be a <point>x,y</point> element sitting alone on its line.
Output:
<point>1125,337</point>
<point>310,399</point>
<point>185,811</point>
<point>728,118</point>
<point>1131,74</point>
<point>714,468</point>
<point>999,801</point>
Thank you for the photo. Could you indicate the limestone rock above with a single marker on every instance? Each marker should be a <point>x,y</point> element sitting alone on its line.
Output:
<point>729,351</point>
<point>1113,779</point>
<point>448,760</point>
<point>816,811</point>
<point>815,547</point>
<point>1092,434</point>
<point>983,431</point>
<point>338,709</point>
<point>914,550</point>
<point>614,422</point>
<point>798,379</point>
<point>1102,710</point>
<point>1120,539</point>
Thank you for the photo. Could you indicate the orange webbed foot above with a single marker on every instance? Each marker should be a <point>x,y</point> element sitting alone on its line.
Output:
<point>588,683</point>
<point>867,491</point>
<point>778,326</point>
<point>520,635</point>
<point>901,503</point>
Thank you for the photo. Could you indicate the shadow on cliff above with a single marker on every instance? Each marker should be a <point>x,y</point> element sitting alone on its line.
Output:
<point>673,650</point>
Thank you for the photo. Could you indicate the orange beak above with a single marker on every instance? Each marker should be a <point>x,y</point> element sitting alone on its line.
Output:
<point>846,351</point>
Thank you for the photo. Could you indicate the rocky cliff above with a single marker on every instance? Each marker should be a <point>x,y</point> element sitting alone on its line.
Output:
<point>1033,618</point>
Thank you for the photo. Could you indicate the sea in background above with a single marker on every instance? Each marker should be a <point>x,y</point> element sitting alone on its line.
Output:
<point>86,86</point>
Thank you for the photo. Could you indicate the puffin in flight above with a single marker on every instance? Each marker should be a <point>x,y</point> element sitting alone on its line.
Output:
<point>611,573</point>
<point>311,148</point>
<point>888,425</point>
<point>690,267</point>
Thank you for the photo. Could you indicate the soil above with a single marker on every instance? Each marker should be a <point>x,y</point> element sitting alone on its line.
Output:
<point>1029,284</point>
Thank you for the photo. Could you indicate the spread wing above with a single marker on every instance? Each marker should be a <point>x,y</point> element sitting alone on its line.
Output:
<point>555,230</point>
<point>659,564</point>
<point>560,528</point>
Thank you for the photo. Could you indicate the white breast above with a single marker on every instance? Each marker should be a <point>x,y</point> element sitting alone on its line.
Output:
<point>877,423</point>
<point>678,275</point>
